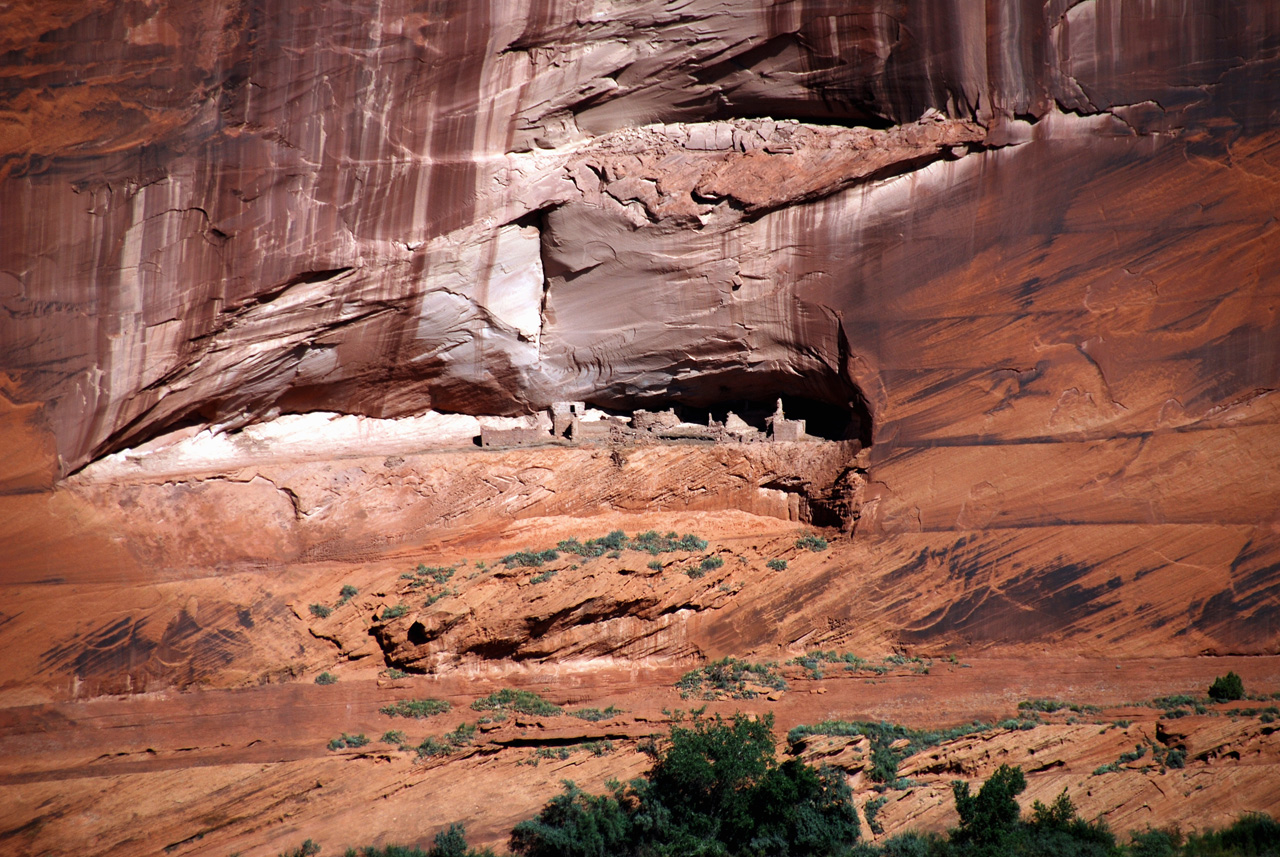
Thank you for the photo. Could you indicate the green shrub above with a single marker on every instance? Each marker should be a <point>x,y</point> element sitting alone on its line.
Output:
<point>1226,688</point>
<point>529,559</point>
<point>714,789</point>
<point>1251,834</point>
<point>320,611</point>
<point>1049,706</point>
<point>393,673</point>
<point>417,709</point>
<point>394,736</point>
<point>462,736</point>
<point>345,740</point>
<point>1169,703</point>
<point>544,577</point>
<point>812,542</point>
<point>777,564</point>
<point>431,748</point>
<point>435,573</point>
<point>729,677</point>
<point>451,842</point>
<point>882,735</point>
<point>394,612</point>
<point>306,849</point>
<point>655,564</point>
<point>522,701</point>
<point>326,678</point>
<point>711,563</point>
<point>871,809</point>
<point>595,715</point>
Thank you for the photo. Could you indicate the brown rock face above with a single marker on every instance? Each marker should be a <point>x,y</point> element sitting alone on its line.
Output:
<point>212,212</point>
<point>1016,262</point>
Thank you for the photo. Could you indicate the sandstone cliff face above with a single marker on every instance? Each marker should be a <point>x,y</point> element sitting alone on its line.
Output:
<point>213,211</point>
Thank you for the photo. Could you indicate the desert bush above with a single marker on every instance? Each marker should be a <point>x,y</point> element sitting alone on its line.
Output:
<point>394,612</point>
<point>433,747</point>
<point>522,701</point>
<point>812,542</point>
<point>711,563</point>
<point>870,810</point>
<point>529,558</point>
<point>462,736</point>
<point>451,842</point>
<point>729,677</point>
<point>655,564</point>
<point>1226,688</point>
<point>394,736</point>
<point>320,611</point>
<point>715,788</point>
<point>326,678</point>
<point>544,577</point>
<point>306,849</point>
<point>777,564</point>
<point>595,715</point>
<point>417,709</point>
<point>344,741</point>
<point>882,735</point>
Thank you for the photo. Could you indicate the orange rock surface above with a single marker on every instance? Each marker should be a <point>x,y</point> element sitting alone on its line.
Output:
<point>1014,262</point>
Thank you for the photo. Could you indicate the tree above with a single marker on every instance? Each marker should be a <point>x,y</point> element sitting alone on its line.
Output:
<point>715,788</point>
<point>989,816</point>
<point>1226,688</point>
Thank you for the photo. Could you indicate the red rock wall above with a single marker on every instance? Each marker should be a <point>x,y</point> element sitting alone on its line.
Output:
<point>1060,309</point>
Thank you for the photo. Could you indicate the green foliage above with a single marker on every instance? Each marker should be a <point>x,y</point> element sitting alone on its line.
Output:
<point>344,741</point>
<point>650,542</point>
<point>529,559</point>
<point>1139,750</point>
<point>306,849</point>
<point>812,542</point>
<point>432,747</point>
<point>522,701</point>
<point>348,592</point>
<point>777,564</point>
<point>885,759</point>
<point>1226,688</point>
<point>451,842</point>
<point>988,817</point>
<point>393,673</point>
<point>394,736</point>
<point>595,715</point>
<point>394,612</point>
<point>326,678</point>
<point>1168,703</point>
<point>715,789</point>
<point>655,564</point>
<point>598,748</point>
<point>544,577</point>
<point>320,611</point>
<point>1049,706</point>
<point>415,708</point>
<point>729,677</point>
<point>462,736</point>
<point>435,573</point>
<point>871,809</point>
<point>1252,835</point>
<point>711,563</point>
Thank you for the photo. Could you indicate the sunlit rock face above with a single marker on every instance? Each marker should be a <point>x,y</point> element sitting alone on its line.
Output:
<point>1034,238</point>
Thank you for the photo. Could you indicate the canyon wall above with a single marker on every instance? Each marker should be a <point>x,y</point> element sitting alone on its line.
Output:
<point>1025,252</point>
